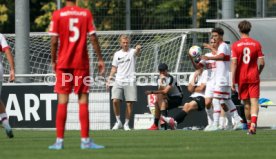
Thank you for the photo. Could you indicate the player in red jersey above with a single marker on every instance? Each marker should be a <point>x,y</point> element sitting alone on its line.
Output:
<point>70,25</point>
<point>247,65</point>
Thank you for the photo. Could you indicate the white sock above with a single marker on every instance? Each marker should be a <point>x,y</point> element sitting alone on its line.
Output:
<point>59,140</point>
<point>216,114</point>
<point>86,139</point>
<point>5,121</point>
<point>233,110</point>
<point>126,121</point>
<point>229,117</point>
<point>209,113</point>
<point>222,121</point>
<point>118,119</point>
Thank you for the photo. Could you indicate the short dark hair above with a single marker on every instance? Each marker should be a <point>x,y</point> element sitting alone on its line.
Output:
<point>163,67</point>
<point>218,30</point>
<point>72,0</point>
<point>244,26</point>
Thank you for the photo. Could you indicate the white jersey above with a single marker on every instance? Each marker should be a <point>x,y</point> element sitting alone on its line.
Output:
<point>222,74</point>
<point>125,63</point>
<point>3,46</point>
<point>210,66</point>
<point>200,79</point>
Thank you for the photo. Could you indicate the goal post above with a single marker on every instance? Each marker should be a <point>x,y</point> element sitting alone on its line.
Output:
<point>166,46</point>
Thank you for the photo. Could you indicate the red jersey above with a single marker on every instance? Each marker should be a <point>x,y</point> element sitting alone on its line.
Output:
<point>247,51</point>
<point>72,24</point>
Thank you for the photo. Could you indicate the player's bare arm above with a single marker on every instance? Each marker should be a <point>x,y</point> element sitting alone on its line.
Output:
<point>138,50</point>
<point>163,91</point>
<point>261,63</point>
<point>54,46</point>
<point>233,73</point>
<point>97,49</point>
<point>111,76</point>
<point>219,57</point>
<point>11,62</point>
<point>200,88</point>
<point>209,46</point>
<point>191,86</point>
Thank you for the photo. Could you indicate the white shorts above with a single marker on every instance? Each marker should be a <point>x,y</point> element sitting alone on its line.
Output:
<point>222,92</point>
<point>128,89</point>
<point>209,90</point>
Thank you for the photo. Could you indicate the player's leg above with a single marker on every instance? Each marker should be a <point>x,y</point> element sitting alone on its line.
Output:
<point>223,120</point>
<point>174,102</point>
<point>61,116</point>
<point>231,111</point>
<point>163,106</point>
<point>155,125</point>
<point>81,87</point>
<point>3,115</point>
<point>84,116</point>
<point>216,115</point>
<point>193,103</point>
<point>117,97</point>
<point>209,111</point>
<point>209,93</point>
<point>63,88</point>
<point>5,120</point>
<point>129,108</point>
<point>247,112</point>
<point>130,92</point>
<point>254,93</point>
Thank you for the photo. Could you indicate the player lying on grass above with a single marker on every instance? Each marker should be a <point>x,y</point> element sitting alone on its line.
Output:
<point>197,85</point>
<point>169,95</point>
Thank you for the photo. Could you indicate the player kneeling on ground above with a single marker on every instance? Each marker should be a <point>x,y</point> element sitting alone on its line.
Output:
<point>169,95</point>
<point>197,85</point>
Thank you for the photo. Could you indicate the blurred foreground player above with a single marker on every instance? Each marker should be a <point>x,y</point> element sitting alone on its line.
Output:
<point>4,47</point>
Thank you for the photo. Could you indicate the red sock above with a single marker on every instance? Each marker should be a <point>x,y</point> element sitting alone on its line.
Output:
<point>61,119</point>
<point>254,119</point>
<point>84,120</point>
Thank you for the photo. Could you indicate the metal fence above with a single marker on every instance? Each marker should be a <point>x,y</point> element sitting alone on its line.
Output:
<point>173,14</point>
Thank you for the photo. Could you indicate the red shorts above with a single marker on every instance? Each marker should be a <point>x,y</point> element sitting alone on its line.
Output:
<point>249,90</point>
<point>68,79</point>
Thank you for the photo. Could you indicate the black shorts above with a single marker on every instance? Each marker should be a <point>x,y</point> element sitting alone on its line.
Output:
<point>199,100</point>
<point>174,101</point>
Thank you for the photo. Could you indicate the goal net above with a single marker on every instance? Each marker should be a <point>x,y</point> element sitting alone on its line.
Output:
<point>166,46</point>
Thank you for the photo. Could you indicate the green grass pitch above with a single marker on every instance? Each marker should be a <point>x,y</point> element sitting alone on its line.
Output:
<point>179,144</point>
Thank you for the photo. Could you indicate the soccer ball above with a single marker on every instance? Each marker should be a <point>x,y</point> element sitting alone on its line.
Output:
<point>195,51</point>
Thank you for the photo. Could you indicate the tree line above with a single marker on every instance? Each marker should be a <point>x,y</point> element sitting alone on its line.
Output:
<point>111,14</point>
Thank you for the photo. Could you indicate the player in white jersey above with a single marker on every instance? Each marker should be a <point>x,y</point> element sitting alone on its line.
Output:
<point>222,90</point>
<point>197,85</point>
<point>123,64</point>
<point>4,47</point>
<point>210,66</point>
